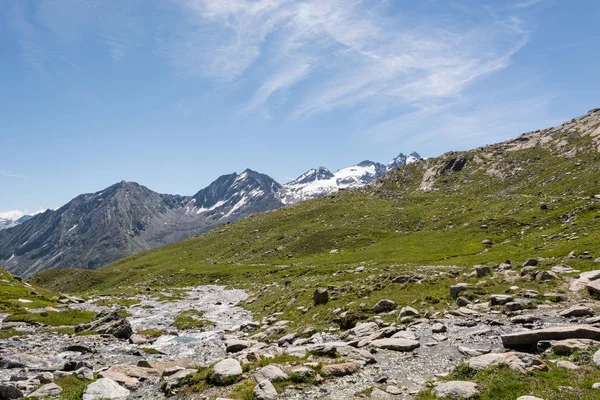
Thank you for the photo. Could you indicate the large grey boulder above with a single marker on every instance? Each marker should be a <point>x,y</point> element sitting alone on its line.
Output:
<point>264,391</point>
<point>518,362</point>
<point>235,345</point>
<point>594,288</point>
<point>577,311</point>
<point>396,344</point>
<point>530,338</point>
<point>456,289</point>
<point>227,370</point>
<point>110,323</point>
<point>456,390</point>
<point>104,388</point>
<point>9,391</point>
<point>500,299</point>
<point>270,373</point>
<point>384,305</point>
<point>49,389</point>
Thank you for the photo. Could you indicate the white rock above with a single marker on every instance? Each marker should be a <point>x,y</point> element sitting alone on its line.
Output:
<point>456,390</point>
<point>225,369</point>
<point>270,373</point>
<point>104,388</point>
<point>265,391</point>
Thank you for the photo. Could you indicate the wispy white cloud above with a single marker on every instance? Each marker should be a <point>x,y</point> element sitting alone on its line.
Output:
<point>9,174</point>
<point>346,52</point>
<point>526,3</point>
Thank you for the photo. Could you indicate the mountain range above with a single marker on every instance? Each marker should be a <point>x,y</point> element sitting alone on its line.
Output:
<point>95,229</point>
<point>13,218</point>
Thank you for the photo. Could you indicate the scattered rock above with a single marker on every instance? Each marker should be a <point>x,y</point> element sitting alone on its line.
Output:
<point>161,366</point>
<point>545,276</point>
<point>483,270</point>
<point>530,338</point>
<point>226,370</point>
<point>567,365</point>
<point>594,288</point>
<point>518,362</point>
<point>456,390</point>
<point>342,369</point>
<point>577,311</point>
<point>500,299</point>
<point>384,306</point>
<point>49,389</point>
<point>108,322</point>
<point>9,392</point>
<point>563,269</point>
<point>456,289</point>
<point>596,359</point>
<point>568,346</point>
<point>531,262</point>
<point>264,391</point>
<point>529,398</point>
<point>321,296</point>
<point>235,345</point>
<point>396,344</point>
<point>270,373</point>
<point>104,388</point>
<point>438,328</point>
<point>408,312</point>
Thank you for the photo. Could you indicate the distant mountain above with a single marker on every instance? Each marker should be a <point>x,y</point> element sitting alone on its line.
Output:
<point>403,160</point>
<point>321,182</point>
<point>95,229</point>
<point>14,218</point>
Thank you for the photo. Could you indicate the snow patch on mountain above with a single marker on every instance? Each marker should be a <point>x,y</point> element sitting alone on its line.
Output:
<point>8,219</point>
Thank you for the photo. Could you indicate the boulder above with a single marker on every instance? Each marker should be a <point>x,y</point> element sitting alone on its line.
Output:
<point>342,369</point>
<point>321,296</point>
<point>384,306</point>
<point>49,389</point>
<point>396,344</point>
<point>110,323</point>
<point>531,262</point>
<point>483,270</point>
<point>264,391</point>
<point>9,391</point>
<point>408,312</point>
<point>545,276</point>
<point>227,370</point>
<point>235,345</point>
<point>567,365</point>
<point>138,339</point>
<point>530,338</point>
<point>438,328</point>
<point>270,373</point>
<point>456,390</point>
<point>584,279</point>
<point>104,388</point>
<point>568,346</point>
<point>529,398</point>
<point>562,269</point>
<point>518,362</point>
<point>130,371</point>
<point>500,299</point>
<point>456,289</point>
<point>577,311</point>
<point>593,288</point>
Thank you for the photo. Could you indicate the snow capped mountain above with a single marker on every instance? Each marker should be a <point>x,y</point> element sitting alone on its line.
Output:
<point>403,160</point>
<point>321,182</point>
<point>233,195</point>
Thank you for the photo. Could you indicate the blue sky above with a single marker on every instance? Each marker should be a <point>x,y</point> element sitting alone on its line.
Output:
<point>174,93</point>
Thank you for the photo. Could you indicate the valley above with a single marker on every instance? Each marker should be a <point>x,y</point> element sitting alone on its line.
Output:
<point>471,275</point>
